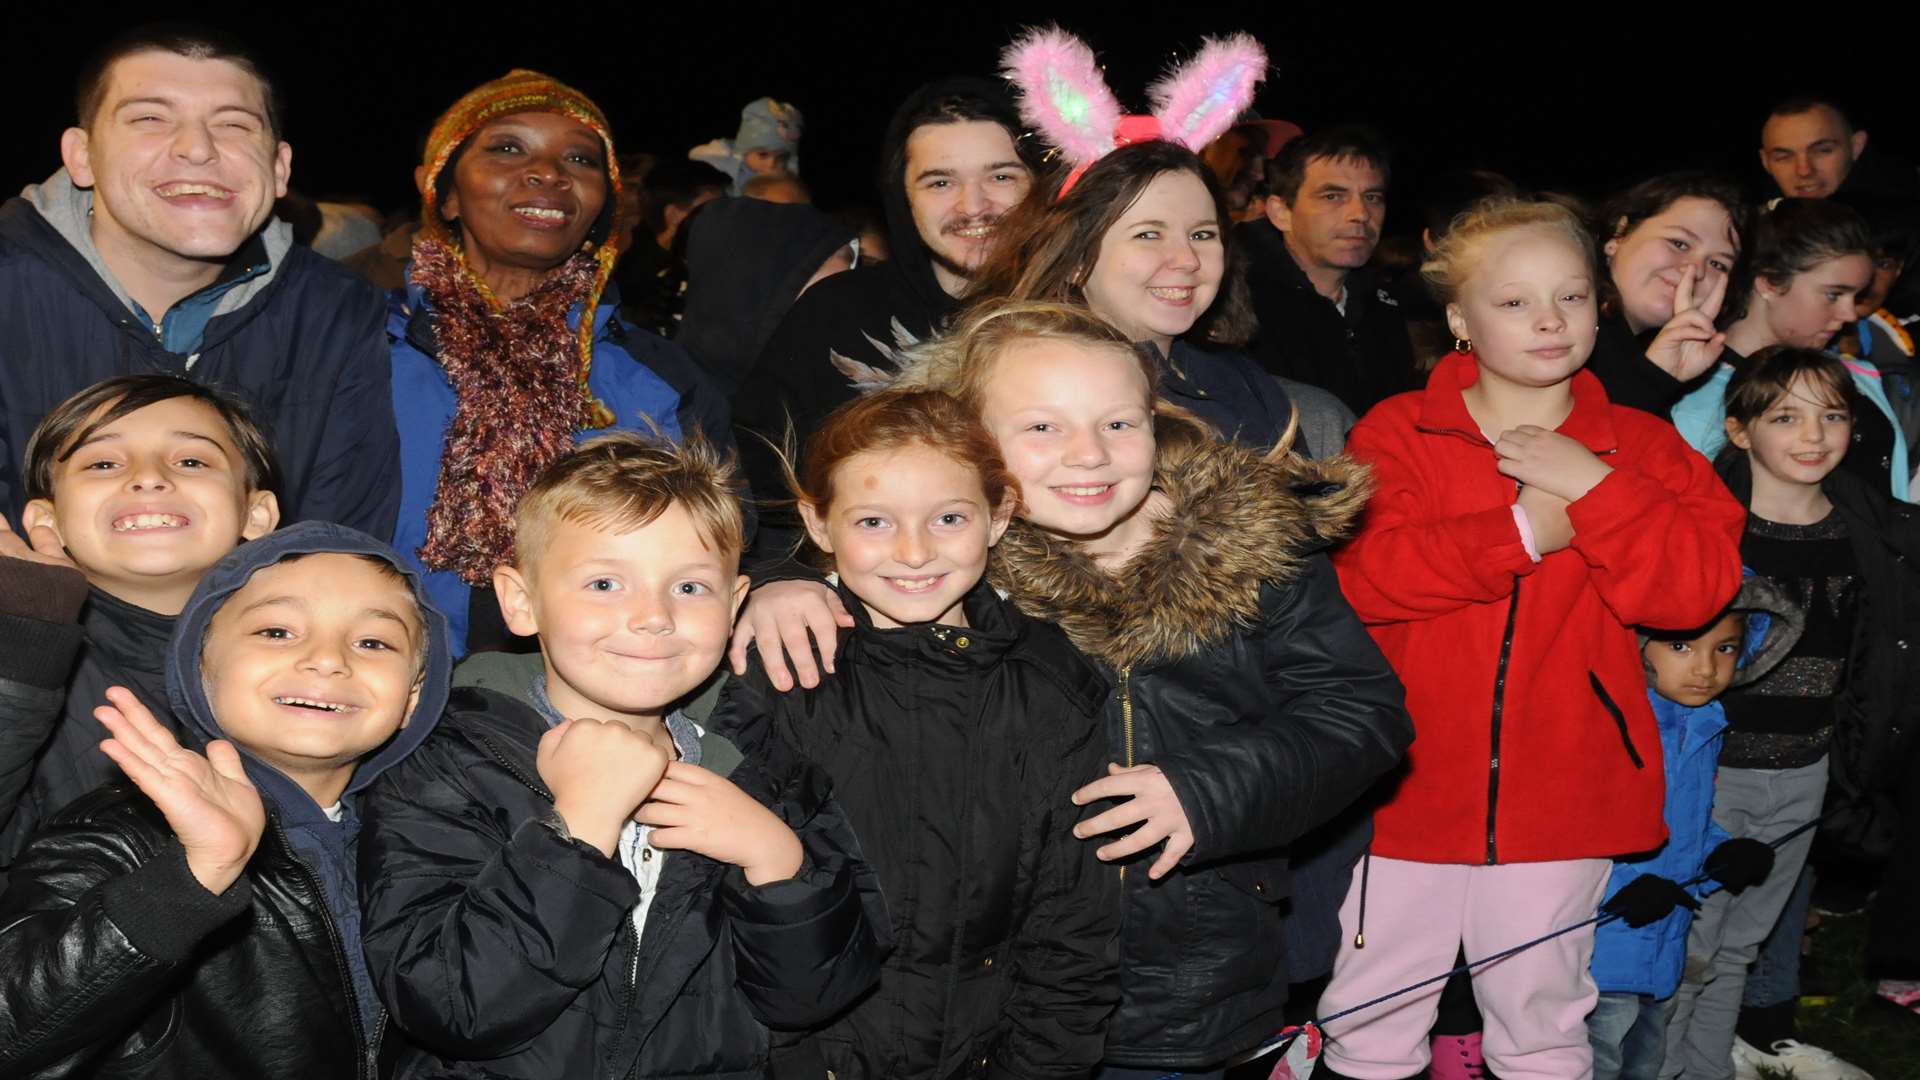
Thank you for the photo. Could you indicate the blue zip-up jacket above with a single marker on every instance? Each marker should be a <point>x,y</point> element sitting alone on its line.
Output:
<point>643,378</point>
<point>300,341</point>
<point>1649,959</point>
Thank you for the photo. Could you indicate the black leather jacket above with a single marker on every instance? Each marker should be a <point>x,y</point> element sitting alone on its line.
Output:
<point>116,962</point>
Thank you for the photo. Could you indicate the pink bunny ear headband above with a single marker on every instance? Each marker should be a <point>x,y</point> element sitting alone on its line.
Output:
<point>1063,95</point>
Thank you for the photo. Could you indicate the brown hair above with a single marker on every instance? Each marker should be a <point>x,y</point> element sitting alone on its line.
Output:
<point>1453,259</point>
<point>192,42</point>
<point>1768,375</point>
<point>1049,244</point>
<point>63,430</point>
<point>623,481</point>
<point>893,420</point>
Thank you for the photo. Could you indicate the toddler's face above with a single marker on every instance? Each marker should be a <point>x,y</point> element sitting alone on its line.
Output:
<point>315,662</point>
<point>1695,672</point>
<point>1528,307</point>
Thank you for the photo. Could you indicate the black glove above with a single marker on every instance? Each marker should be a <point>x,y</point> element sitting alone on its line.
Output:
<point>1738,863</point>
<point>1649,899</point>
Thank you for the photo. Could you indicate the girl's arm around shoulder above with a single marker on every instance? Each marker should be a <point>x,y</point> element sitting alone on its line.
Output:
<point>1066,959</point>
<point>807,947</point>
<point>1408,562</point>
<point>1336,721</point>
<point>482,919</point>
<point>99,915</point>
<point>1661,534</point>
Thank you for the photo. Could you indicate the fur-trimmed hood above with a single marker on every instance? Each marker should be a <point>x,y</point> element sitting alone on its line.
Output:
<point>1239,520</point>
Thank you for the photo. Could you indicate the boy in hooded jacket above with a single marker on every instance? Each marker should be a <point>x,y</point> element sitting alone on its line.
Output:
<point>1639,953</point>
<point>593,883</point>
<point>201,920</point>
<point>136,486</point>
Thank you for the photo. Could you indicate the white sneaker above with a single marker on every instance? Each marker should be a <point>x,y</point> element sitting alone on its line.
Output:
<point>1792,1058</point>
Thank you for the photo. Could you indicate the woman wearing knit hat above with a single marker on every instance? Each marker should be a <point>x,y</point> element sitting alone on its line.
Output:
<point>506,347</point>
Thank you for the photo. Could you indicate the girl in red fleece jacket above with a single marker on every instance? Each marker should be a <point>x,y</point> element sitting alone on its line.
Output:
<point>1521,526</point>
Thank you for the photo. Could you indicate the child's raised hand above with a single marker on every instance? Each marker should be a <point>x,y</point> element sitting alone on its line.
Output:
<point>208,801</point>
<point>779,617</point>
<point>1689,344</point>
<point>1547,517</point>
<point>699,811</point>
<point>599,771</point>
<point>1550,461</point>
<point>1151,803</point>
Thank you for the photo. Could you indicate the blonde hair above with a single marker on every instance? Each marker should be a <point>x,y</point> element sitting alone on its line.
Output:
<point>961,361</point>
<point>1455,255</point>
<point>624,481</point>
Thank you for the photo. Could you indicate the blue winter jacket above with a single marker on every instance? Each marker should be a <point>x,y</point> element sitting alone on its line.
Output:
<point>1649,959</point>
<point>642,377</point>
<point>300,341</point>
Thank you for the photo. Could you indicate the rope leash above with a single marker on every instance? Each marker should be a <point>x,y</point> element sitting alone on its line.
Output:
<point>1284,1038</point>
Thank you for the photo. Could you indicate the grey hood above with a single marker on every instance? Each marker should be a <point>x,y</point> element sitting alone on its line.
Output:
<point>68,208</point>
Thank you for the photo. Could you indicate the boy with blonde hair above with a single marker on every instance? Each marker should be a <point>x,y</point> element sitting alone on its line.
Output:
<point>585,880</point>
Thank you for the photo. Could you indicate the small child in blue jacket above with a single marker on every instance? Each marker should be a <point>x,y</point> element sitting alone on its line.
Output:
<point>1638,956</point>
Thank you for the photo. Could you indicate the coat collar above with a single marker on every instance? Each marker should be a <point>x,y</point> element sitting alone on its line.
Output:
<point>1199,578</point>
<point>1443,409</point>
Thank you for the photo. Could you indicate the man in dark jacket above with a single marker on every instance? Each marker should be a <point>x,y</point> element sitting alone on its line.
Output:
<point>747,262</point>
<point>203,920</point>
<point>1324,320</point>
<point>953,165</point>
<point>154,249</point>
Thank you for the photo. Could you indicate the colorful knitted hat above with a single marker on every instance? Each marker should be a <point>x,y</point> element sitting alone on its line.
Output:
<point>521,90</point>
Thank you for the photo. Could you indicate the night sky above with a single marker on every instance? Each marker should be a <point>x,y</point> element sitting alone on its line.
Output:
<point>1568,105</point>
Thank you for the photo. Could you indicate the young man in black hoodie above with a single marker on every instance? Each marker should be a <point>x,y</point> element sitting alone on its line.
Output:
<point>203,920</point>
<point>954,164</point>
<point>138,485</point>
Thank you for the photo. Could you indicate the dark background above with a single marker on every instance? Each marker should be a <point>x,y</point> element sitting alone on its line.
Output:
<point>1565,104</point>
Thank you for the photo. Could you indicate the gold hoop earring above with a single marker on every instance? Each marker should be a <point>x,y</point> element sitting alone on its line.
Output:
<point>1462,345</point>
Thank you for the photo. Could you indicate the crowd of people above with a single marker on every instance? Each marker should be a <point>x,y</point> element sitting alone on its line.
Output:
<point>1100,611</point>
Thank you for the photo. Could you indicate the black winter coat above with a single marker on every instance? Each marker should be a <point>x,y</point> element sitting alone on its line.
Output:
<point>50,743</point>
<point>955,752</point>
<point>307,351</point>
<point>1245,676</point>
<point>1363,356</point>
<point>1227,390</point>
<point>503,949</point>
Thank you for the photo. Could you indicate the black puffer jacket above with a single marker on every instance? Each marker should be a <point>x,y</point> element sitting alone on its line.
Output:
<point>1244,675</point>
<point>504,950</point>
<point>955,752</point>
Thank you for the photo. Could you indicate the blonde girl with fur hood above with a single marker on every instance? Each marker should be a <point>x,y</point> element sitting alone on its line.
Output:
<point>1248,703</point>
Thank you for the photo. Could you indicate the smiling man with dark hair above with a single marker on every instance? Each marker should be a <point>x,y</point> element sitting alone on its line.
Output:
<point>155,249</point>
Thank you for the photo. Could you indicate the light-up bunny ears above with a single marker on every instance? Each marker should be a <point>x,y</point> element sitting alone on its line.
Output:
<point>1063,95</point>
